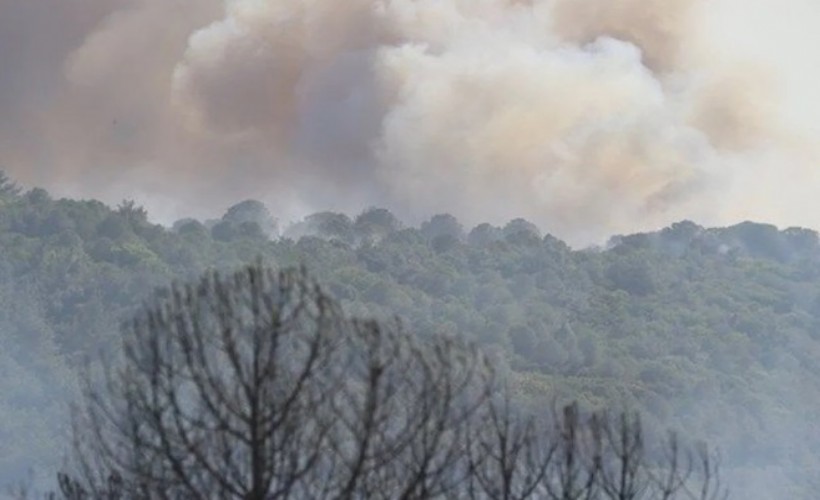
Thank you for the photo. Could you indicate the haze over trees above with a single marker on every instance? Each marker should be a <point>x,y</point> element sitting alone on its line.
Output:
<point>257,386</point>
<point>708,331</point>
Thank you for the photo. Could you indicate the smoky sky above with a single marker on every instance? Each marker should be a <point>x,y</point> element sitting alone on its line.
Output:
<point>587,117</point>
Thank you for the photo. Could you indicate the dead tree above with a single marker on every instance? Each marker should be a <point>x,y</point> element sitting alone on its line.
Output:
<point>583,457</point>
<point>509,457</point>
<point>220,391</point>
<point>404,414</point>
<point>256,386</point>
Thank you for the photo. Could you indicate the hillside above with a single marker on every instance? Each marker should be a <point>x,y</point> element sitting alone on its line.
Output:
<point>710,331</point>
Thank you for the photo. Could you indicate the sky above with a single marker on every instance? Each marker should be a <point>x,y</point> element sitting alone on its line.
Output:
<point>587,117</point>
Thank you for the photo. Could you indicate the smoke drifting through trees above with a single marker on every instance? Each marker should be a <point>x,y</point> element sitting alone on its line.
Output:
<point>256,386</point>
<point>589,117</point>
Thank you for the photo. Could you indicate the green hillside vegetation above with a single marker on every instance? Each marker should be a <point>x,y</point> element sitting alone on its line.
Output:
<point>710,331</point>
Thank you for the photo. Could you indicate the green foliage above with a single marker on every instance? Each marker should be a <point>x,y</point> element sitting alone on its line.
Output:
<point>249,213</point>
<point>713,331</point>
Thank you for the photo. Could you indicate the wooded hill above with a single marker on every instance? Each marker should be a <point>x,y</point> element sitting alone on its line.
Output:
<point>715,332</point>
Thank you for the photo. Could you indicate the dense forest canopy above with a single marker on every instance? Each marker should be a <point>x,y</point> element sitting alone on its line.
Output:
<point>710,331</point>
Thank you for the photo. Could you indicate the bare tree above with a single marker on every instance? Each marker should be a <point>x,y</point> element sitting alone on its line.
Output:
<point>583,457</point>
<point>256,386</point>
<point>219,392</point>
<point>623,471</point>
<point>405,413</point>
<point>575,470</point>
<point>509,457</point>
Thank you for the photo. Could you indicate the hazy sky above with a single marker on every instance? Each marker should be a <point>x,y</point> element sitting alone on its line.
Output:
<point>588,117</point>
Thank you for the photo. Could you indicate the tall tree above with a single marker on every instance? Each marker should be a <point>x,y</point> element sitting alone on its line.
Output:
<point>256,386</point>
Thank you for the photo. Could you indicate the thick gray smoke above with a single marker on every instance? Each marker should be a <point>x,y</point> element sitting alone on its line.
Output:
<point>588,117</point>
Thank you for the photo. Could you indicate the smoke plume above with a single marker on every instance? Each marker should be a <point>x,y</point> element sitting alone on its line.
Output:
<point>588,117</point>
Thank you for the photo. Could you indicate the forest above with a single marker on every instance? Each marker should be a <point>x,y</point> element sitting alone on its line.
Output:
<point>711,332</point>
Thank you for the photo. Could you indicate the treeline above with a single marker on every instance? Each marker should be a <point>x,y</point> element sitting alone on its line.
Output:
<point>709,331</point>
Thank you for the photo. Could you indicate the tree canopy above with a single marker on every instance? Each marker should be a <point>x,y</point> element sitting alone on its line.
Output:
<point>711,331</point>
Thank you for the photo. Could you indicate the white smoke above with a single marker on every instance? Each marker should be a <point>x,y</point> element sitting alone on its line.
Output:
<point>588,117</point>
